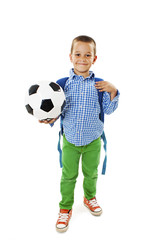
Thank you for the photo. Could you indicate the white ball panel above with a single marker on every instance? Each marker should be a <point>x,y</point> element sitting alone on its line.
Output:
<point>58,98</point>
<point>40,114</point>
<point>34,100</point>
<point>54,113</point>
<point>45,90</point>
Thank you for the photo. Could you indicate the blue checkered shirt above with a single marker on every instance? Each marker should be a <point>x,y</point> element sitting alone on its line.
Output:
<point>81,121</point>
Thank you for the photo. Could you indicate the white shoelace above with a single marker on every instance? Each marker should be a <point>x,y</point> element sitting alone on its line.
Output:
<point>63,217</point>
<point>93,203</point>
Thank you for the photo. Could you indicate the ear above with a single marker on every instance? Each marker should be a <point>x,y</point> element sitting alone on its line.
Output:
<point>94,60</point>
<point>70,56</point>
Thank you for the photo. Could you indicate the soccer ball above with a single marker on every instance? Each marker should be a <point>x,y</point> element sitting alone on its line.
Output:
<point>45,100</point>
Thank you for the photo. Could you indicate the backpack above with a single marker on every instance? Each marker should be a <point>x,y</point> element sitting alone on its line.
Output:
<point>62,83</point>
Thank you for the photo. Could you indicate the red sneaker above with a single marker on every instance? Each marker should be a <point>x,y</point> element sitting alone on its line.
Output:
<point>93,206</point>
<point>63,220</point>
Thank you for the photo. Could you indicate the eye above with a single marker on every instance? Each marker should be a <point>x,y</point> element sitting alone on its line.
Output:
<point>88,55</point>
<point>77,54</point>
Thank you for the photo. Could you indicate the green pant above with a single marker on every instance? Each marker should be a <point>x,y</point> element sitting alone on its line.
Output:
<point>70,160</point>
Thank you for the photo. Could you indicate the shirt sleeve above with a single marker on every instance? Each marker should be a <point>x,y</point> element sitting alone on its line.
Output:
<point>108,105</point>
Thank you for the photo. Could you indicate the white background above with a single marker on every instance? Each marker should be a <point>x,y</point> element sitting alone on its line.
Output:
<point>34,45</point>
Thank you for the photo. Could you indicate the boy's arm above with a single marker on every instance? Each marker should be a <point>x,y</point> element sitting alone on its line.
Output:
<point>110,96</point>
<point>108,105</point>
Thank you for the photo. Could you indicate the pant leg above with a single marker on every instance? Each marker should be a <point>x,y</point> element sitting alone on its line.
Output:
<point>90,162</point>
<point>70,161</point>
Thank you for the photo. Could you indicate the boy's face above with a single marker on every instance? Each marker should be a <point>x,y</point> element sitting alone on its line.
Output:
<point>82,58</point>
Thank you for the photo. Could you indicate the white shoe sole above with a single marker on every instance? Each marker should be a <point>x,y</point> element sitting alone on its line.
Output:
<point>61,230</point>
<point>94,213</point>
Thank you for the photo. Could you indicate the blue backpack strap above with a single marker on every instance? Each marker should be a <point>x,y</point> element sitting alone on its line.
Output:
<point>105,148</point>
<point>59,149</point>
<point>103,137</point>
<point>59,142</point>
<point>100,96</point>
<point>62,83</point>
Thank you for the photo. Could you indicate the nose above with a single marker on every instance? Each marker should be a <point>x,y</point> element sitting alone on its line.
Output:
<point>83,59</point>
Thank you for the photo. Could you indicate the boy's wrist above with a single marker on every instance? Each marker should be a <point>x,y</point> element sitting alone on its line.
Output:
<point>113,93</point>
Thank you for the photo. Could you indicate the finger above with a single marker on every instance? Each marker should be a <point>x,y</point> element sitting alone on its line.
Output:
<point>99,82</point>
<point>99,87</point>
<point>103,89</point>
<point>46,122</point>
<point>51,121</point>
<point>41,121</point>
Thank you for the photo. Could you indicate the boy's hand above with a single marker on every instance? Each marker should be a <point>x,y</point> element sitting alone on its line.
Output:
<point>105,86</point>
<point>50,121</point>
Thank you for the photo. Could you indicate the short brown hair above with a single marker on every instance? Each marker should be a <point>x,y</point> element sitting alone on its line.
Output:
<point>84,38</point>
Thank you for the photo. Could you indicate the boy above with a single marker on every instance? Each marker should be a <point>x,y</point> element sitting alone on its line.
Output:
<point>82,128</point>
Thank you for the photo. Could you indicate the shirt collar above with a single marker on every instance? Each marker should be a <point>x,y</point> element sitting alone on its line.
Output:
<point>73,75</point>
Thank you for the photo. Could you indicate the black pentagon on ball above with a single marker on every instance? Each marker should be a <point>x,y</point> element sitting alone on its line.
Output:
<point>46,105</point>
<point>29,109</point>
<point>33,89</point>
<point>63,105</point>
<point>55,87</point>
